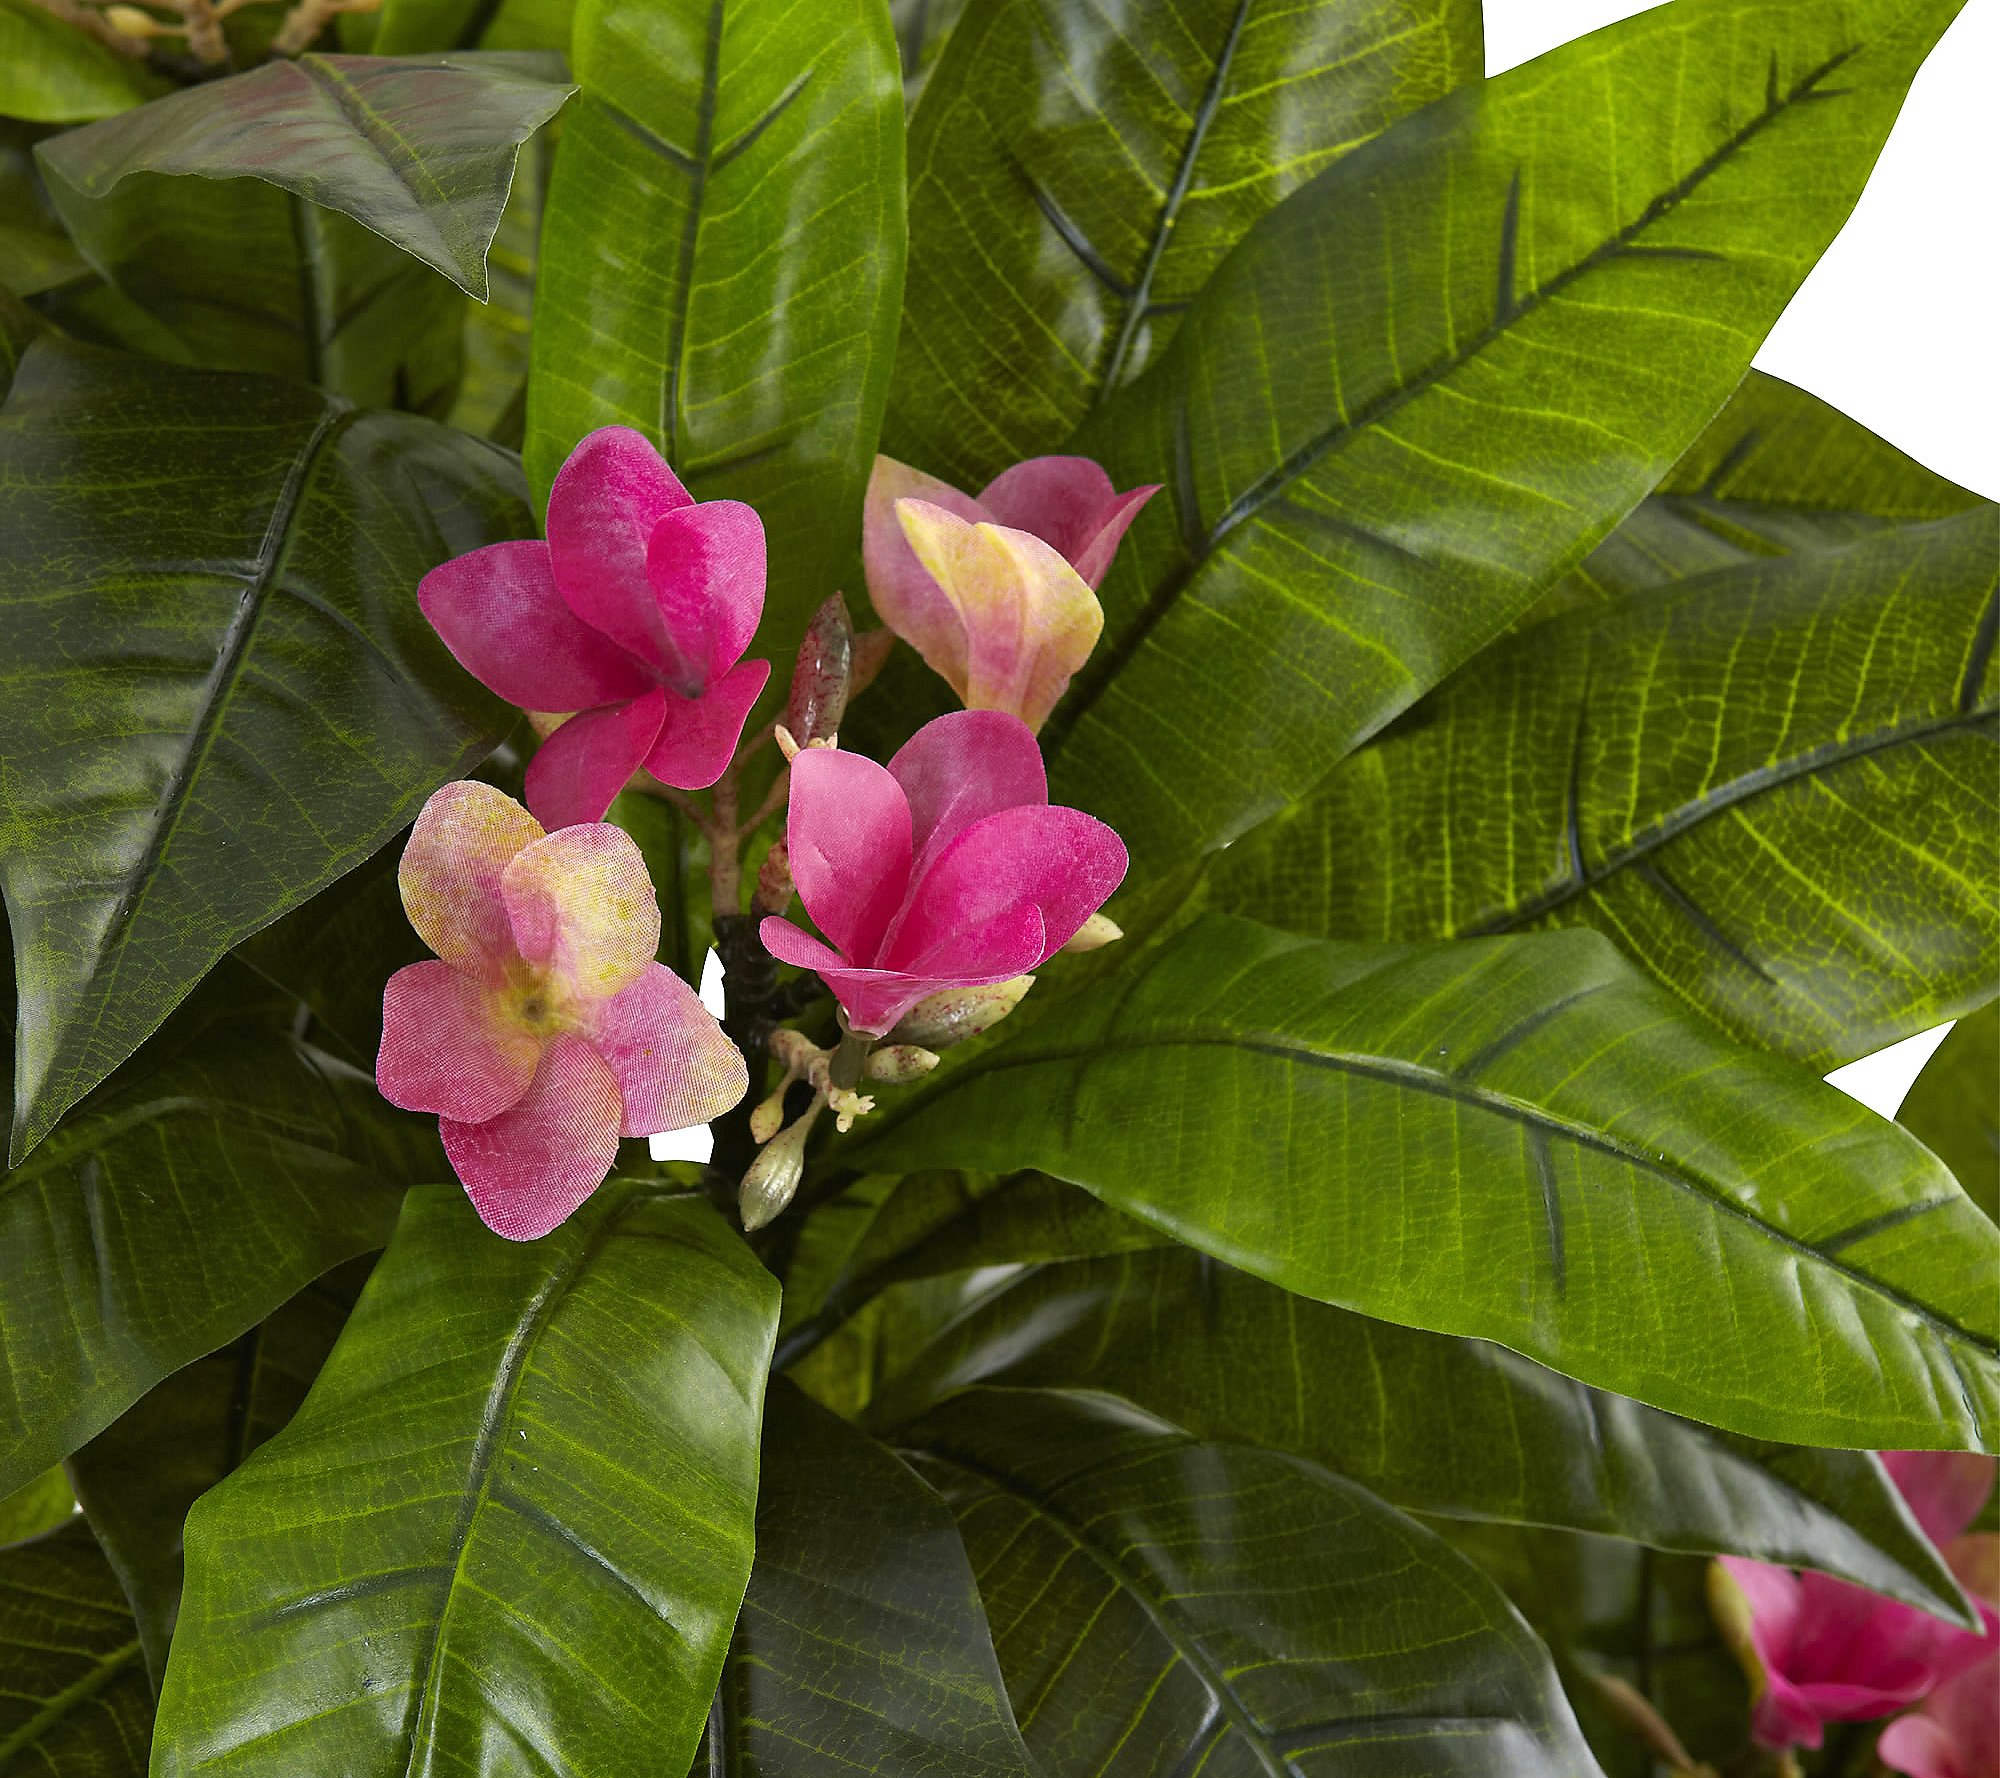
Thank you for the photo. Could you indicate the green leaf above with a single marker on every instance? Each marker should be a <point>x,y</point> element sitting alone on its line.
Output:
<point>419,149</point>
<point>39,1506</point>
<point>139,1476</point>
<point>1518,1139</point>
<point>1430,380</point>
<point>405,27</point>
<point>1077,173</point>
<point>1772,786</point>
<point>74,1702</point>
<point>514,1515</point>
<point>35,254</point>
<point>1228,1356</point>
<point>215,703</point>
<point>52,71</point>
<point>862,1646</point>
<point>722,263</point>
<point>1162,1605</point>
<point>493,392</point>
<point>1954,1107</point>
<point>922,29</point>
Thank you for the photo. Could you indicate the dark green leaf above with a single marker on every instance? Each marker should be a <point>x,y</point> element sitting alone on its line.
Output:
<point>863,1645</point>
<point>1429,381</point>
<point>1165,1606</point>
<point>1518,1139</point>
<point>493,392</point>
<point>1954,1107</point>
<point>1431,1423</point>
<point>18,328</point>
<point>922,29</point>
<point>1774,787</point>
<point>51,71</point>
<point>1078,172</point>
<point>35,254</point>
<point>39,1506</point>
<point>723,261</point>
<point>419,149</point>
<point>219,691</point>
<point>511,1525</point>
<point>138,1477</point>
<point>74,1702</point>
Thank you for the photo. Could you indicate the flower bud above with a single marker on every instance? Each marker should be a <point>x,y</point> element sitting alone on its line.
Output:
<point>1095,933</point>
<point>955,1015</point>
<point>129,21</point>
<point>897,1064</point>
<point>770,1113</point>
<point>775,1174</point>
<point>820,679</point>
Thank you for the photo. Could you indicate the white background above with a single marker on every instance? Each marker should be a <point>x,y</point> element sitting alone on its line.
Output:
<point>1899,325</point>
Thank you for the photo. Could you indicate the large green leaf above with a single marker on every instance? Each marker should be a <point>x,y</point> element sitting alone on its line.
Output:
<point>1774,787</point>
<point>53,72</point>
<point>35,254</point>
<point>219,693</point>
<point>511,1527</point>
<point>1954,1107</point>
<point>1078,172</point>
<point>1429,381</point>
<point>722,263</point>
<point>419,149</point>
<point>1228,1356</point>
<point>137,1478</point>
<point>74,1702</point>
<point>493,392</point>
<point>1519,1139</point>
<point>862,1646</point>
<point>1164,1606</point>
<point>40,1506</point>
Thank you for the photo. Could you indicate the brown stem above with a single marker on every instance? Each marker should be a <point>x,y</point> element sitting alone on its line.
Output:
<point>205,40</point>
<point>308,19</point>
<point>725,862</point>
<point>774,800</point>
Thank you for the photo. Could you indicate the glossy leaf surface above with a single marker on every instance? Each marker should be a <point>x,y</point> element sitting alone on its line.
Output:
<point>1161,1605</point>
<point>1519,1139</point>
<point>419,150</point>
<point>1774,787</point>
<point>863,1645</point>
<point>723,263</point>
<point>1953,1109</point>
<point>53,72</point>
<point>219,691</point>
<point>1430,380</point>
<point>1228,1356</point>
<point>1077,173</point>
<point>511,1527</point>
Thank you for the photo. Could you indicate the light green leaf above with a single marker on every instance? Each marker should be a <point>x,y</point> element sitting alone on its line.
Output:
<point>1774,787</point>
<point>514,1515</point>
<point>1430,380</point>
<point>1077,173</point>
<point>37,1507</point>
<point>1954,1107</point>
<point>215,702</point>
<point>722,264</point>
<point>1519,1139</point>
<point>53,72</point>
<point>1162,1605</point>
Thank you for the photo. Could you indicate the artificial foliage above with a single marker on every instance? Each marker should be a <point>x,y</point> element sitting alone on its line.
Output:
<point>1290,767</point>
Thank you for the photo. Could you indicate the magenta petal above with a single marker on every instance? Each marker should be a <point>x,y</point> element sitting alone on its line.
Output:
<point>499,613</point>
<point>960,769</point>
<point>848,831</point>
<point>1945,1489</point>
<point>791,944</point>
<point>446,1049</point>
<point>603,508</point>
<point>873,999</point>
<point>699,735</point>
<point>1067,502</point>
<point>529,1168</point>
<point>1917,1747</point>
<point>578,770</point>
<point>675,1068</point>
<point>706,567</point>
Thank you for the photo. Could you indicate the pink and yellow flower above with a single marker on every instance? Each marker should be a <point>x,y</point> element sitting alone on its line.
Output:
<point>947,869</point>
<point>635,614</point>
<point>998,593</point>
<point>545,1031</point>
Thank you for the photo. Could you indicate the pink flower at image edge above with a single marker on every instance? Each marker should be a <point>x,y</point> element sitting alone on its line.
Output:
<point>946,869</point>
<point>635,614</point>
<point>545,1030</point>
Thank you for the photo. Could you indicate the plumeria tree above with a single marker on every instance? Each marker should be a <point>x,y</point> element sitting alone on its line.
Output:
<point>1291,770</point>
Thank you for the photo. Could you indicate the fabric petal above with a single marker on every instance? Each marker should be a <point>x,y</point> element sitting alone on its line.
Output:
<point>450,875</point>
<point>873,999</point>
<point>1945,1489</point>
<point>1029,619</point>
<point>905,597</point>
<point>603,508</point>
<point>699,736</point>
<point>499,613</point>
<point>1919,1747</point>
<point>448,1048</point>
<point>706,567</point>
<point>529,1168</point>
<point>675,1068</point>
<point>1069,503</point>
<point>848,831</point>
<point>584,911</point>
<point>960,768</point>
<point>579,769</point>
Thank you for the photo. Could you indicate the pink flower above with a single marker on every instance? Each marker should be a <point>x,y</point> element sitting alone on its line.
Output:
<point>1956,1733</point>
<point>546,1031</point>
<point>635,614</point>
<point>947,870</point>
<point>997,594</point>
<point>1827,1651</point>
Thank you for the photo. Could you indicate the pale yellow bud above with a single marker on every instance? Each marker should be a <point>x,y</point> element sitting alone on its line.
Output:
<point>955,1015</point>
<point>896,1064</point>
<point>129,21</point>
<point>775,1174</point>
<point>1095,933</point>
